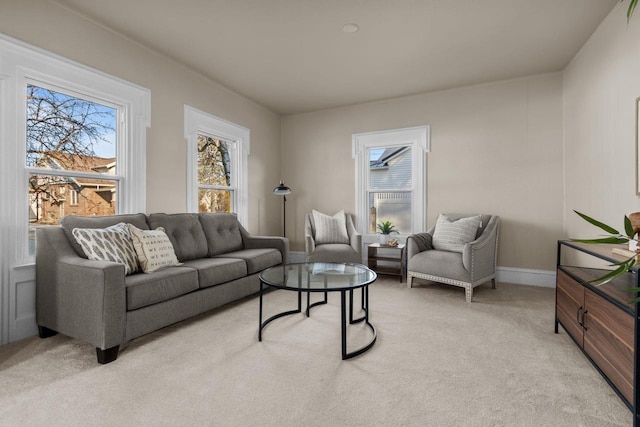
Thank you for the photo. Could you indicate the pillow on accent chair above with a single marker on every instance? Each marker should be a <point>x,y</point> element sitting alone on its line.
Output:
<point>154,249</point>
<point>453,235</point>
<point>330,229</point>
<point>108,244</point>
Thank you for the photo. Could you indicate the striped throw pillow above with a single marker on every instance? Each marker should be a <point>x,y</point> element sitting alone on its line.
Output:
<point>330,229</point>
<point>453,235</point>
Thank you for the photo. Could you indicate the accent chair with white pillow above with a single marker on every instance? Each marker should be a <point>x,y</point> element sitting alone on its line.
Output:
<point>331,238</point>
<point>460,250</point>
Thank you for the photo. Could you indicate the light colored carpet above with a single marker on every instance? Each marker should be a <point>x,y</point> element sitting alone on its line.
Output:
<point>438,361</point>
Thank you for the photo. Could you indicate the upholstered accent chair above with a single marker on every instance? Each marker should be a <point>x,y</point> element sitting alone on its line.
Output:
<point>331,238</point>
<point>460,250</point>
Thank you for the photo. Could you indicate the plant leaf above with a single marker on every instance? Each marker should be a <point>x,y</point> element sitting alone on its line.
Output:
<point>628,228</point>
<point>632,6</point>
<point>598,224</point>
<point>614,240</point>
<point>612,274</point>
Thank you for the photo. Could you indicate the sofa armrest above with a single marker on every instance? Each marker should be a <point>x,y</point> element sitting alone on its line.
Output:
<point>355,238</point>
<point>78,297</point>
<point>259,242</point>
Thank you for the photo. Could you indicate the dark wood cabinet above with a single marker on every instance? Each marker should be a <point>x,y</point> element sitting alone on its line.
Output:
<point>600,319</point>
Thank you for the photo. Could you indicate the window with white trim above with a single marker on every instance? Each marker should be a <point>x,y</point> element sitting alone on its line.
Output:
<point>43,99</point>
<point>217,164</point>
<point>391,180</point>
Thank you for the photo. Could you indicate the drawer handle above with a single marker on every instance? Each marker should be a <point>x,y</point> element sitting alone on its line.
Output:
<point>584,320</point>
<point>579,317</point>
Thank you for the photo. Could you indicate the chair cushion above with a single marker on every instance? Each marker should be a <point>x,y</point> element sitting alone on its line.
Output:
<point>256,259</point>
<point>108,244</point>
<point>153,249</point>
<point>163,285</point>
<point>184,231</point>
<point>453,235</point>
<point>334,252</point>
<point>440,264</point>
<point>330,229</point>
<point>222,231</point>
<point>214,271</point>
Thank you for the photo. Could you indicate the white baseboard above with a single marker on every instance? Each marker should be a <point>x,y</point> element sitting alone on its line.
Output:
<point>518,276</point>
<point>525,276</point>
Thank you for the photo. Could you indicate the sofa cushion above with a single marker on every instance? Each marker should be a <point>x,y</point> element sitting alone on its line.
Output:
<point>70,222</point>
<point>162,285</point>
<point>184,231</point>
<point>108,244</point>
<point>153,248</point>
<point>256,259</point>
<point>222,231</point>
<point>215,271</point>
<point>453,235</point>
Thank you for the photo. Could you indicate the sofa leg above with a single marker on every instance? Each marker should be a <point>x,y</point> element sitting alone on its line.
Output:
<point>409,280</point>
<point>469,293</point>
<point>108,355</point>
<point>45,332</point>
<point>493,283</point>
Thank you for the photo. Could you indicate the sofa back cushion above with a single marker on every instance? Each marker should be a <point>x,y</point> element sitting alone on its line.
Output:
<point>73,221</point>
<point>222,231</point>
<point>184,231</point>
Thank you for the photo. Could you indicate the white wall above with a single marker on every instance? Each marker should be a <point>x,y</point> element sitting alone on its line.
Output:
<point>601,85</point>
<point>495,148</point>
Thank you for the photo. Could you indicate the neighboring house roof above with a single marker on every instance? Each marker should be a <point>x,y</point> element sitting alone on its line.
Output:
<point>386,156</point>
<point>82,163</point>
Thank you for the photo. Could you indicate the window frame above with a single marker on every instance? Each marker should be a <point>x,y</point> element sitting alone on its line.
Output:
<point>418,138</point>
<point>198,122</point>
<point>22,64</point>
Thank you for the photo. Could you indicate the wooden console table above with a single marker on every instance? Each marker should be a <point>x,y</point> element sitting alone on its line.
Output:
<point>600,319</point>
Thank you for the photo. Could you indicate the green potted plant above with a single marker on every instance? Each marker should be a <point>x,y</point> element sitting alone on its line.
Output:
<point>385,228</point>
<point>631,228</point>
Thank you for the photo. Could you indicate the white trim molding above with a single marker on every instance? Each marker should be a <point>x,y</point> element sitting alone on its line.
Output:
<point>418,138</point>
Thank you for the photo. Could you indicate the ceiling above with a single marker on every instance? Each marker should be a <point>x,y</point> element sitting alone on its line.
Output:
<point>292,56</point>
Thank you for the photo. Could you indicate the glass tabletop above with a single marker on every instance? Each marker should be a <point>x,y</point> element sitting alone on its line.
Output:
<point>318,276</point>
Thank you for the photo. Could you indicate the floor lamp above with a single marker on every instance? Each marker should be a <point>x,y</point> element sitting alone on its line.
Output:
<point>283,190</point>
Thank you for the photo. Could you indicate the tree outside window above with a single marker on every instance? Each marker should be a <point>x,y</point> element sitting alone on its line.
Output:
<point>215,191</point>
<point>70,157</point>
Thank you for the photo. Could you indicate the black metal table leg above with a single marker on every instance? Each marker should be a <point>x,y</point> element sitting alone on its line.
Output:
<point>276,316</point>
<point>365,318</point>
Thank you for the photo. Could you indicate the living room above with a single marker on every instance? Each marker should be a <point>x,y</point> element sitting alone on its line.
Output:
<point>530,146</point>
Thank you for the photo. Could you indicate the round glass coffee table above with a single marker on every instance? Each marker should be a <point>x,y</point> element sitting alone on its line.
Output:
<point>323,277</point>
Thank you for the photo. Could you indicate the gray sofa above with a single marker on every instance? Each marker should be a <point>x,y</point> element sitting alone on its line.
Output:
<point>94,301</point>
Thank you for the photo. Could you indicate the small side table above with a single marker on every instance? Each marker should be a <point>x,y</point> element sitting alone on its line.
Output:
<point>392,260</point>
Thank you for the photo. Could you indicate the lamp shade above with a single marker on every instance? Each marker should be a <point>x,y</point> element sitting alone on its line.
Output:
<point>281,189</point>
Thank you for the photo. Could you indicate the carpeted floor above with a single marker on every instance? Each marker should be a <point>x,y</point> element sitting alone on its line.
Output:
<point>438,361</point>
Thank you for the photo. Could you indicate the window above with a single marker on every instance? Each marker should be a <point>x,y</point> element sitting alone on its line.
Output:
<point>70,145</point>
<point>217,164</point>
<point>66,128</point>
<point>391,180</point>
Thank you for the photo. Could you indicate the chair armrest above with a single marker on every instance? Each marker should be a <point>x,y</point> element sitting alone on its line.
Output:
<point>355,238</point>
<point>417,243</point>
<point>309,244</point>
<point>260,242</point>
<point>479,256</point>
